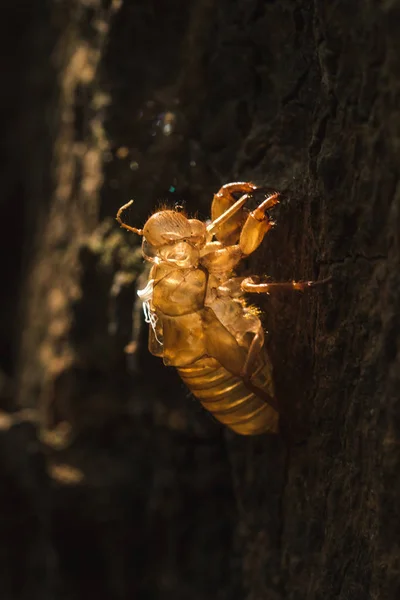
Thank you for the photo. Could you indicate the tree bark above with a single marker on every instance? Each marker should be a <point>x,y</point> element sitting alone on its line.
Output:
<point>116,483</point>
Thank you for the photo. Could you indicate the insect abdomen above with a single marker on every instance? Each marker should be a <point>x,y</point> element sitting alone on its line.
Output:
<point>228,399</point>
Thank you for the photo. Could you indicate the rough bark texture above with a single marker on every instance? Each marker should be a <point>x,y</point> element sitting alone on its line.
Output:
<point>115,483</point>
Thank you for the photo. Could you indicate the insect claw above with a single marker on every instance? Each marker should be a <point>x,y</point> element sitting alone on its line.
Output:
<point>270,201</point>
<point>320,281</point>
<point>267,191</point>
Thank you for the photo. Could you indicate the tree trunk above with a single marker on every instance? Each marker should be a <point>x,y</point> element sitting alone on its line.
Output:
<point>116,483</point>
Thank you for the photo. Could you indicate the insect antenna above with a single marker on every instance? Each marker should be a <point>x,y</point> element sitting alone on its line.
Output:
<point>124,225</point>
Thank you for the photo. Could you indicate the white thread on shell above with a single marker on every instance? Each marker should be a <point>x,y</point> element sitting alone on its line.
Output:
<point>145,295</point>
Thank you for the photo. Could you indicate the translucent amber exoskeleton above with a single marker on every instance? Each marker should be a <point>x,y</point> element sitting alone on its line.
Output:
<point>199,320</point>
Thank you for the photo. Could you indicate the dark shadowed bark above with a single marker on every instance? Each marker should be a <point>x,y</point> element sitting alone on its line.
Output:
<point>115,483</point>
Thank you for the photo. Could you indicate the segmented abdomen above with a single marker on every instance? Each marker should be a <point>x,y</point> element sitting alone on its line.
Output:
<point>226,397</point>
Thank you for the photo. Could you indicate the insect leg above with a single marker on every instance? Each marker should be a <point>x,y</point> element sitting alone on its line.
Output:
<point>232,210</point>
<point>249,367</point>
<point>223,199</point>
<point>223,346</point>
<point>256,346</point>
<point>249,285</point>
<point>257,225</point>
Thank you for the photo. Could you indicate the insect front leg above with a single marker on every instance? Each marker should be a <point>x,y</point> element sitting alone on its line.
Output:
<point>224,199</point>
<point>252,286</point>
<point>224,226</point>
<point>257,225</point>
<point>227,213</point>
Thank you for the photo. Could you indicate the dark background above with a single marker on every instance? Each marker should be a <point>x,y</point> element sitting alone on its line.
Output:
<point>114,482</point>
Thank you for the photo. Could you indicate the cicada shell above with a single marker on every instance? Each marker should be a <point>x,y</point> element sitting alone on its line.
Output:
<point>199,320</point>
